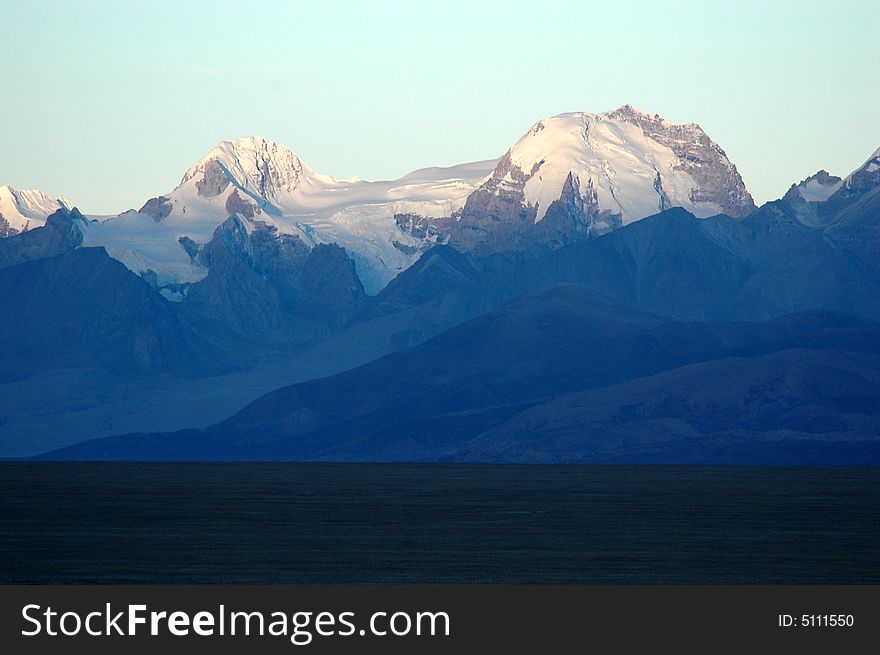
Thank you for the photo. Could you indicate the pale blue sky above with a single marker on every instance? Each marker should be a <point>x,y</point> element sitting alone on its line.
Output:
<point>109,102</point>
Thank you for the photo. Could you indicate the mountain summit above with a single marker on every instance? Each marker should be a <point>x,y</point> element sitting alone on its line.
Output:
<point>23,209</point>
<point>269,188</point>
<point>586,174</point>
<point>261,167</point>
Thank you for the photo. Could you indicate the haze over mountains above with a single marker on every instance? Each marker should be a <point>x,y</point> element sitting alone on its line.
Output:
<point>605,291</point>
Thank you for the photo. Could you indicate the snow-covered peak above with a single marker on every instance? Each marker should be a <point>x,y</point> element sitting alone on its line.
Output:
<point>24,209</point>
<point>266,183</point>
<point>258,166</point>
<point>636,163</point>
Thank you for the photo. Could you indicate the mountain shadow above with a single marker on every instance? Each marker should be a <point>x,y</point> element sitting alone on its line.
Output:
<point>458,395</point>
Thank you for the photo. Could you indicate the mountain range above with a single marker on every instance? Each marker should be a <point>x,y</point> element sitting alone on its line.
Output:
<point>606,291</point>
<point>568,175</point>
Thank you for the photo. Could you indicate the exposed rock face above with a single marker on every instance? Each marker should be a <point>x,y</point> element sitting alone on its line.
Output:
<point>157,208</point>
<point>275,169</point>
<point>235,204</point>
<point>494,214</point>
<point>428,229</point>
<point>256,244</point>
<point>213,181</point>
<point>717,178</point>
<point>568,219</point>
<point>496,217</point>
<point>665,203</point>
<point>264,283</point>
<point>824,178</point>
<point>190,246</point>
<point>6,230</point>
<point>816,188</point>
<point>405,249</point>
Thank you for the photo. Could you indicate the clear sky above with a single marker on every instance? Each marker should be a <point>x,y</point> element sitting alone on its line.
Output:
<point>109,102</point>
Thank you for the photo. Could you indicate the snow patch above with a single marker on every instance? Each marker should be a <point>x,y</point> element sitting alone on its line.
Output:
<point>814,191</point>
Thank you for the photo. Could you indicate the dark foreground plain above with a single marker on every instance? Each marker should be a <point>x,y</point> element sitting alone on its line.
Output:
<point>402,524</point>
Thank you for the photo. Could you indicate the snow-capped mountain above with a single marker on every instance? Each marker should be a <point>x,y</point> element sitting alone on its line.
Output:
<point>581,174</point>
<point>269,187</point>
<point>570,176</point>
<point>23,209</point>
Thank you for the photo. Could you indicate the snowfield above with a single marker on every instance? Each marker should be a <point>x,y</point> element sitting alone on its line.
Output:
<point>287,195</point>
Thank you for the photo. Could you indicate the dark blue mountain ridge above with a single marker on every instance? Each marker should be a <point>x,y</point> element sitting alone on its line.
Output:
<point>265,288</point>
<point>59,235</point>
<point>75,306</point>
<point>84,308</point>
<point>457,396</point>
<point>673,265</point>
<point>788,256</point>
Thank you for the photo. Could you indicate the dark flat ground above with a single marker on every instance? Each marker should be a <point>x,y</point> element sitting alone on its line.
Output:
<point>354,524</point>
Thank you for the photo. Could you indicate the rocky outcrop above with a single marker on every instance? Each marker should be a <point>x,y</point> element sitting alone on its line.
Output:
<point>235,204</point>
<point>496,214</point>
<point>817,188</point>
<point>268,285</point>
<point>717,178</point>
<point>496,217</point>
<point>430,230</point>
<point>157,208</point>
<point>6,230</point>
<point>191,247</point>
<point>568,219</point>
<point>213,181</point>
